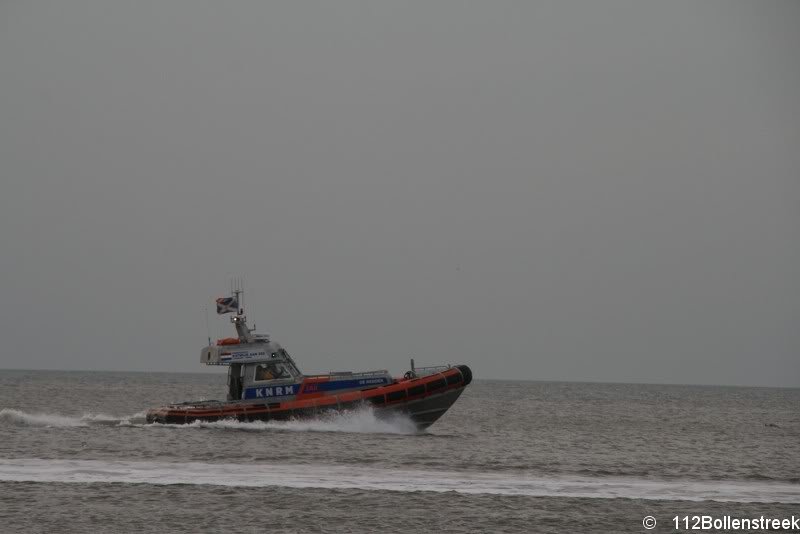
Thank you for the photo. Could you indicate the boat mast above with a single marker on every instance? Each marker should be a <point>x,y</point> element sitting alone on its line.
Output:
<point>208,327</point>
<point>240,319</point>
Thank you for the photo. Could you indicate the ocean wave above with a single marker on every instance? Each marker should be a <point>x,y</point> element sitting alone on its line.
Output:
<point>327,476</point>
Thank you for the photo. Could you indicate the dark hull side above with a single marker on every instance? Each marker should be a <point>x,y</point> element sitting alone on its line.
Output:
<point>424,400</point>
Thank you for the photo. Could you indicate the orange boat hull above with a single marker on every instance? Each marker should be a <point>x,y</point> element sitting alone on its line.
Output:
<point>424,399</point>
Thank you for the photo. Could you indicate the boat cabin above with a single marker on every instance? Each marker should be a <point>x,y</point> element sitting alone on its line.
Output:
<point>263,371</point>
<point>259,369</point>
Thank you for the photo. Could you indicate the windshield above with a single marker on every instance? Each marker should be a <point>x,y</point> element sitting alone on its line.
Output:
<point>270,371</point>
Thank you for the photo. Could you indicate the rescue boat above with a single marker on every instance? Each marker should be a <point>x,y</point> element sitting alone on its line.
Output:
<point>265,384</point>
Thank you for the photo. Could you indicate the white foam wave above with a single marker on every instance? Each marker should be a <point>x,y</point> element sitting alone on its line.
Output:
<point>18,417</point>
<point>362,421</point>
<point>139,418</point>
<point>406,480</point>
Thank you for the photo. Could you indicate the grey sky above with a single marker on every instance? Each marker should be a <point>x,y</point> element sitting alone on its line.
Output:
<point>542,190</point>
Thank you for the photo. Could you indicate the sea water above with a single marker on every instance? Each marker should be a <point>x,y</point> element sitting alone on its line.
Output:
<point>76,455</point>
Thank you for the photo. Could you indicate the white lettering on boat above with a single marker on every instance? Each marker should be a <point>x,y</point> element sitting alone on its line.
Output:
<point>371,381</point>
<point>277,391</point>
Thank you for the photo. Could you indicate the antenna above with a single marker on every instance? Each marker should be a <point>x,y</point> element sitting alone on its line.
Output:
<point>237,290</point>
<point>208,328</point>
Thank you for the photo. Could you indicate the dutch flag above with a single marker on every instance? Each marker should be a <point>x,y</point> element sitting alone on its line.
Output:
<point>227,305</point>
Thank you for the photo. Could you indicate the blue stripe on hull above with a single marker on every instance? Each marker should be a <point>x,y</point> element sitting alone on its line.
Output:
<point>347,384</point>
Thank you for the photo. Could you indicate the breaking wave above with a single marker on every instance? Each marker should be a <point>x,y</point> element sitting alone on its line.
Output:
<point>402,480</point>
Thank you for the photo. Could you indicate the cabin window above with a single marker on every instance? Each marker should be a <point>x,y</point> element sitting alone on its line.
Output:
<point>270,371</point>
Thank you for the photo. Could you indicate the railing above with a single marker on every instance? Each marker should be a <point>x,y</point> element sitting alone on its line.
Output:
<point>426,371</point>
<point>351,374</point>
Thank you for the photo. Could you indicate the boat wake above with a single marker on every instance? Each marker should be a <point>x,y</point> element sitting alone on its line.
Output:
<point>403,480</point>
<point>18,417</point>
<point>362,421</point>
